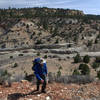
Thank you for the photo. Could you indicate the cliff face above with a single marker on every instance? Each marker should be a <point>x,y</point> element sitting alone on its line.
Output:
<point>55,91</point>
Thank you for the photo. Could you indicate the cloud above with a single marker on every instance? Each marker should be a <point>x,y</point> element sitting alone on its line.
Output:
<point>38,2</point>
<point>32,3</point>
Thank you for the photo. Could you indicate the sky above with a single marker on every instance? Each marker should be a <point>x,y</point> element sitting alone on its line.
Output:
<point>87,6</point>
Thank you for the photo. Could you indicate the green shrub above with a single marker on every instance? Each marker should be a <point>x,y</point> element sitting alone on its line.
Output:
<point>96,41</point>
<point>20,55</point>
<point>69,45</point>
<point>39,33</point>
<point>95,65</point>
<point>57,41</point>
<point>38,42</point>
<point>98,74</point>
<point>98,37</point>
<point>77,58</point>
<point>38,54</point>
<point>45,56</point>
<point>15,65</point>
<point>27,26</point>
<point>3,46</point>
<point>3,72</point>
<point>60,68</point>
<point>59,59</point>
<point>26,74</point>
<point>55,31</point>
<point>84,68</point>
<point>86,59</point>
<point>4,76</point>
<point>45,23</point>
<point>31,36</point>
<point>90,42</point>
<point>76,72</point>
<point>98,59</point>
<point>11,57</point>
<point>58,73</point>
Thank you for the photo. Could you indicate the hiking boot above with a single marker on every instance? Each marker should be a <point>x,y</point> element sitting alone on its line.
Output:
<point>43,91</point>
<point>37,89</point>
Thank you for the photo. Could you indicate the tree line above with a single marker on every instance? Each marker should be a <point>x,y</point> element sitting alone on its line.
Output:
<point>45,12</point>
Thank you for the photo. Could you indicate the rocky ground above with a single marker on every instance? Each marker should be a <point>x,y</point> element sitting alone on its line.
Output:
<point>56,91</point>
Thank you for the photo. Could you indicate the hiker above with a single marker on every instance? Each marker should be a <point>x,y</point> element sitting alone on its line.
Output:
<point>40,71</point>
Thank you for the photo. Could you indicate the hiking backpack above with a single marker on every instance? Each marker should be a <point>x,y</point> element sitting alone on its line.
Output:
<point>35,61</point>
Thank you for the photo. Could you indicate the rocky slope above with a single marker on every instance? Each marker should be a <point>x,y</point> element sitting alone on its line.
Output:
<point>56,91</point>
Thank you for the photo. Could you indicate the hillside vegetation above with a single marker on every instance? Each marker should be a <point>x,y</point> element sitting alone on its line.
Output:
<point>31,26</point>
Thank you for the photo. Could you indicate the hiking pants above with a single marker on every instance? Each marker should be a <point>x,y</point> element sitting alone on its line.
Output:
<point>44,83</point>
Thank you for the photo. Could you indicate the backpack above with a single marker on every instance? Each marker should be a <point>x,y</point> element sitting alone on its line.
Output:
<point>35,61</point>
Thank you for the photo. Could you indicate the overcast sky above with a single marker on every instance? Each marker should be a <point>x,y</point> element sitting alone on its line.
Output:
<point>88,6</point>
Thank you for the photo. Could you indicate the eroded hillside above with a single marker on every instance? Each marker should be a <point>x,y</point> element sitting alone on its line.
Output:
<point>46,29</point>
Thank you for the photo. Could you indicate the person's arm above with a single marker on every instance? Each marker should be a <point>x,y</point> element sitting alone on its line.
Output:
<point>46,71</point>
<point>37,76</point>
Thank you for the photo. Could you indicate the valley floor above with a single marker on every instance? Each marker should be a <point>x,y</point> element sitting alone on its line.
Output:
<point>54,61</point>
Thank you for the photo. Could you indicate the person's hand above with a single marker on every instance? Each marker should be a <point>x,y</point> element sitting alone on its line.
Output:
<point>42,81</point>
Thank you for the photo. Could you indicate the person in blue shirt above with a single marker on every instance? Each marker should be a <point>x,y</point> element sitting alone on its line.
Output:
<point>40,71</point>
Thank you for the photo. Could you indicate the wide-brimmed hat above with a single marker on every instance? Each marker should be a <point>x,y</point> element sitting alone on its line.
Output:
<point>42,60</point>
